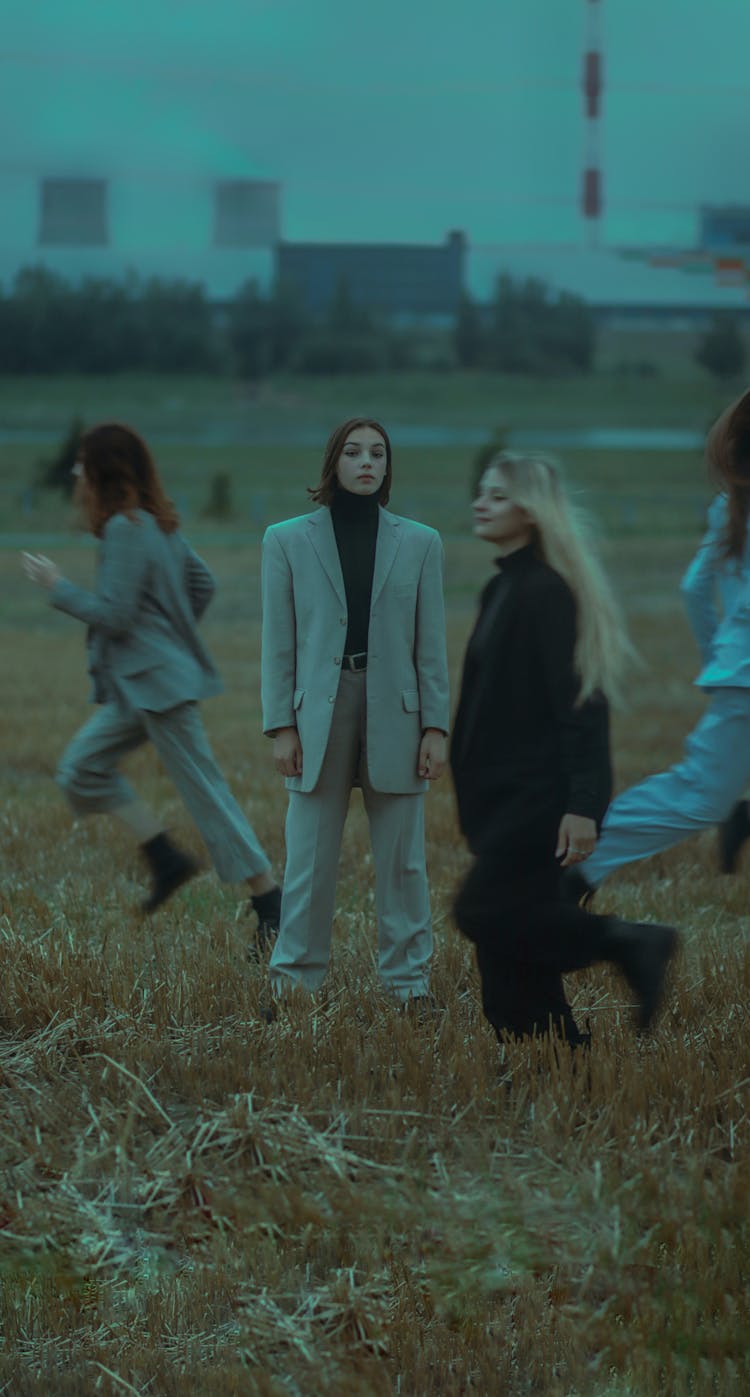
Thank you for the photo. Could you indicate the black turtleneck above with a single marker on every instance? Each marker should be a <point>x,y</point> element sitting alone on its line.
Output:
<point>355,524</point>
<point>493,597</point>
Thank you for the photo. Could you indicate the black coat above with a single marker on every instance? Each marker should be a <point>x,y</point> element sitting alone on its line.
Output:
<point>522,753</point>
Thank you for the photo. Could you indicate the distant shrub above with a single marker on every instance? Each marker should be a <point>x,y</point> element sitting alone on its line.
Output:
<point>56,472</point>
<point>482,457</point>
<point>219,504</point>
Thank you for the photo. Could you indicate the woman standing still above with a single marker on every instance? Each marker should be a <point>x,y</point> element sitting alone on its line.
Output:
<point>355,692</point>
<point>531,762</point>
<point>149,669</point>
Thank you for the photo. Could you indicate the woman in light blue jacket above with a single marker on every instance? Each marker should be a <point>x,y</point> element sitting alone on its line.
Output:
<point>149,670</point>
<point>704,788</point>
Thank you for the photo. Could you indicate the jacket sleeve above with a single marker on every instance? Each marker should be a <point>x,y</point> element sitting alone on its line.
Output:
<point>699,584</point>
<point>278,637</point>
<point>123,566</point>
<point>430,652</point>
<point>199,581</point>
<point>584,728</point>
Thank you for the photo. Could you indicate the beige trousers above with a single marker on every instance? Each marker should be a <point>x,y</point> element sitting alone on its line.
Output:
<point>314,826</point>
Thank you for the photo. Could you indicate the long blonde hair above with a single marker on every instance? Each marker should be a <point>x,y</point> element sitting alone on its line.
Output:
<point>562,537</point>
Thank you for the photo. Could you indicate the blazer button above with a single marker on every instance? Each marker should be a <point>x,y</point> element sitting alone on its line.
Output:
<point>342,620</point>
<point>330,698</point>
<point>336,660</point>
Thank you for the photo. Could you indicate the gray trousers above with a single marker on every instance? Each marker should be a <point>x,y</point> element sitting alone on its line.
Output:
<point>89,777</point>
<point>314,826</point>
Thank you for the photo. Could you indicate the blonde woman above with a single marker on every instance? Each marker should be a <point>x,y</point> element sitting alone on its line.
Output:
<point>531,762</point>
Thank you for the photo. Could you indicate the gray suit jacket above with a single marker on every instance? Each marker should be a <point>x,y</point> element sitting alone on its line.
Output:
<point>143,644</point>
<point>304,628</point>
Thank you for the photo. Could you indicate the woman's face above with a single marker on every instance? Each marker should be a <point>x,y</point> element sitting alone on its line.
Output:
<point>361,465</point>
<point>496,518</point>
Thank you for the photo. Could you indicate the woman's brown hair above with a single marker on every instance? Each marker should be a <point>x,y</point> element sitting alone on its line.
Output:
<point>120,477</point>
<point>328,484</point>
<point>728,452</point>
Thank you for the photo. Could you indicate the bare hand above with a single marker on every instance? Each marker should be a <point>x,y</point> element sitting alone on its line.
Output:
<point>433,750</point>
<point>576,838</point>
<point>40,569</point>
<point>287,752</point>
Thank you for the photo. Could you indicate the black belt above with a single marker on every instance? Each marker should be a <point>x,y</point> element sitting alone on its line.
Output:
<point>355,662</point>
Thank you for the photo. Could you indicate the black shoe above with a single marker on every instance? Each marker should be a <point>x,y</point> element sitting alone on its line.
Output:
<point>643,950</point>
<point>732,835</point>
<point>267,908</point>
<point>170,868</point>
<point>575,889</point>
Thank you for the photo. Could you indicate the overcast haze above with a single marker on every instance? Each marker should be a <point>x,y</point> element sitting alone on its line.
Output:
<point>393,121</point>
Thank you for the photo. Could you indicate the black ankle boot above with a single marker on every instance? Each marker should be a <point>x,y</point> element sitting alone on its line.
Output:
<point>170,868</point>
<point>267,908</point>
<point>642,951</point>
<point>575,890</point>
<point>732,835</point>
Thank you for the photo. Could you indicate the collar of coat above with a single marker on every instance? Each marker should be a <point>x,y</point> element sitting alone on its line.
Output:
<point>323,540</point>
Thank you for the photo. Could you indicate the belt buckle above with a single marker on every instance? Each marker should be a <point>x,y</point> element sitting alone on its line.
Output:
<point>351,661</point>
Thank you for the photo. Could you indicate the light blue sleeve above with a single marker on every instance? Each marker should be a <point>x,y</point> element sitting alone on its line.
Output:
<point>700,583</point>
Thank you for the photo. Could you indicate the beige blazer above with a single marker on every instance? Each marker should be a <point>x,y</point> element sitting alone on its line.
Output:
<point>303,634</point>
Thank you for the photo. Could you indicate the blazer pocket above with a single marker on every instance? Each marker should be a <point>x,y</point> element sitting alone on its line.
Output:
<point>299,694</point>
<point>410,700</point>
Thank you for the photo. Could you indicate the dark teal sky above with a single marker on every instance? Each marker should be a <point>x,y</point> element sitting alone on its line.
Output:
<point>394,120</point>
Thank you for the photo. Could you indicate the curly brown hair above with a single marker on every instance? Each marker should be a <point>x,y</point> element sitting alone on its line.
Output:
<point>728,454</point>
<point>120,477</point>
<point>328,484</point>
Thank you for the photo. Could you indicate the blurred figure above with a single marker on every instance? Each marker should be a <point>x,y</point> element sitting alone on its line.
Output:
<point>149,669</point>
<point>531,761</point>
<point>355,692</point>
<point>705,787</point>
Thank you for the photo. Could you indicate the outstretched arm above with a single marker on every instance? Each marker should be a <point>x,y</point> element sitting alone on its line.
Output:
<point>123,564</point>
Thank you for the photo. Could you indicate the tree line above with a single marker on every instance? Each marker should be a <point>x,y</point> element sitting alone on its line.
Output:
<point>49,324</point>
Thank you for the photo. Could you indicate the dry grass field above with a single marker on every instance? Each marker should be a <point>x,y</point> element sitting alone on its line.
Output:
<point>350,1200</point>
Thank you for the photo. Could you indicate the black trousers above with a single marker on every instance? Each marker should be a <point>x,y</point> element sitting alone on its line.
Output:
<point>526,938</point>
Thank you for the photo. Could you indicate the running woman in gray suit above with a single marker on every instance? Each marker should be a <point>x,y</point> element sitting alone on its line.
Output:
<point>149,669</point>
<point>355,692</point>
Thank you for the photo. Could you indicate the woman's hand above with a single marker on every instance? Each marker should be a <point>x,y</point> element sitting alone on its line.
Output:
<point>287,752</point>
<point>576,838</point>
<point>41,570</point>
<point>432,754</point>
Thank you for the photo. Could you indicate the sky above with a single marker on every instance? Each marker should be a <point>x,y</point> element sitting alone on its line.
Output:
<point>396,120</point>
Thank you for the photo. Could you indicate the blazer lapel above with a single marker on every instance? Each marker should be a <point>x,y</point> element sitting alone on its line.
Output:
<point>323,540</point>
<point>386,548</point>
